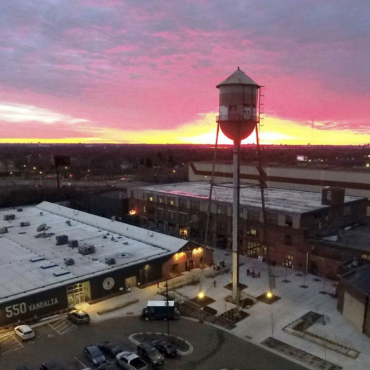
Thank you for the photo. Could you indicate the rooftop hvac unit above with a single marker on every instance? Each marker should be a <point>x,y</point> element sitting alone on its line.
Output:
<point>23,224</point>
<point>9,217</point>
<point>110,261</point>
<point>3,230</point>
<point>73,244</point>
<point>19,209</point>
<point>69,261</point>
<point>62,239</point>
<point>86,249</point>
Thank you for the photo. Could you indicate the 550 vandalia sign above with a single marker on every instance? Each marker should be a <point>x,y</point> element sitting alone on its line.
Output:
<point>23,307</point>
<point>32,306</point>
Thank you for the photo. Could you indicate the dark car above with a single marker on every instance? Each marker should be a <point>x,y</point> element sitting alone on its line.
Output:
<point>110,349</point>
<point>50,366</point>
<point>165,348</point>
<point>78,317</point>
<point>94,355</point>
<point>150,354</point>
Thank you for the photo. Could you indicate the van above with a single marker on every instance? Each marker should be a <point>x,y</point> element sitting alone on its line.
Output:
<point>160,310</point>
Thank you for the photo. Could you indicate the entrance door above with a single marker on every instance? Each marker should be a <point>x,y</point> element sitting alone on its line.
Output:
<point>189,265</point>
<point>130,282</point>
<point>78,293</point>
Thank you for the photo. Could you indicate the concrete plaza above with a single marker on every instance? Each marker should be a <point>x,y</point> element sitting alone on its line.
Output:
<point>298,294</point>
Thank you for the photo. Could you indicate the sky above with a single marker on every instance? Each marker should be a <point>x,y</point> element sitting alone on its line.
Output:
<point>145,71</point>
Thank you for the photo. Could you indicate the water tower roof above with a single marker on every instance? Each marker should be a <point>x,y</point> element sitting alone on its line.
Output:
<point>238,78</point>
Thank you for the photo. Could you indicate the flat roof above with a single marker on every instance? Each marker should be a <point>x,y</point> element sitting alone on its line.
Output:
<point>359,278</point>
<point>356,237</point>
<point>281,200</point>
<point>30,264</point>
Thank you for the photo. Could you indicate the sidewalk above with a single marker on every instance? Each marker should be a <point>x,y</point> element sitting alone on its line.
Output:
<point>265,320</point>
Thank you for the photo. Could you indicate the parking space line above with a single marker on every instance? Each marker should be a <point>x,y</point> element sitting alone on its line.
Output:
<point>9,343</point>
<point>85,367</point>
<point>62,326</point>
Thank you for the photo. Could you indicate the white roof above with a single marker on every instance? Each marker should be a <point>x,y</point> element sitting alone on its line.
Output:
<point>278,200</point>
<point>161,303</point>
<point>29,264</point>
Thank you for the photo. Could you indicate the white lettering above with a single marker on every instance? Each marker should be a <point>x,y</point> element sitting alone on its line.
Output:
<point>21,308</point>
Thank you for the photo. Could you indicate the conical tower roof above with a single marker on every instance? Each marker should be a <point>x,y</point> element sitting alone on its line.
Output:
<point>238,78</point>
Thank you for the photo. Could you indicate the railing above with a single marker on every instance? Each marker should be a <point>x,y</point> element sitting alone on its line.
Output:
<point>238,118</point>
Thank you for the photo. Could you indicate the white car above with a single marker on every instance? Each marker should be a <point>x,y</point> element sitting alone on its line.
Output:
<point>130,361</point>
<point>24,332</point>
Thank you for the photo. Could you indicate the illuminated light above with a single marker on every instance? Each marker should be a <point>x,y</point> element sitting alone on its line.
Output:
<point>34,168</point>
<point>132,212</point>
<point>198,250</point>
<point>180,256</point>
<point>269,295</point>
<point>201,295</point>
<point>146,267</point>
<point>367,165</point>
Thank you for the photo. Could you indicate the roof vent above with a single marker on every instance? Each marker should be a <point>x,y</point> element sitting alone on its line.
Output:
<point>9,217</point>
<point>69,261</point>
<point>125,243</point>
<point>73,243</point>
<point>3,230</point>
<point>62,239</point>
<point>19,209</point>
<point>68,222</point>
<point>110,261</point>
<point>86,249</point>
<point>23,224</point>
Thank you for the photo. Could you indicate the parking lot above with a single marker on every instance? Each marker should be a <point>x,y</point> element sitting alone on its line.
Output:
<point>213,348</point>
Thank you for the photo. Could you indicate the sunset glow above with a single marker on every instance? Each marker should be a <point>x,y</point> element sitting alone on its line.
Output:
<point>88,71</point>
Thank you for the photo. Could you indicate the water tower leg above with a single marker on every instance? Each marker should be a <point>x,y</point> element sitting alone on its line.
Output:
<point>236,202</point>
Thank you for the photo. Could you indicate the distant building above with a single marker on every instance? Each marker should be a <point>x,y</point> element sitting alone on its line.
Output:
<point>53,258</point>
<point>296,220</point>
<point>355,181</point>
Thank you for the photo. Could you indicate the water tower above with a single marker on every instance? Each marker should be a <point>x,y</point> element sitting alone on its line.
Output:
<point>238,116</point>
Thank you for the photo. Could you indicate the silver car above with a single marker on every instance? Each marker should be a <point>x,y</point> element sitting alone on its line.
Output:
<point>130,361</point>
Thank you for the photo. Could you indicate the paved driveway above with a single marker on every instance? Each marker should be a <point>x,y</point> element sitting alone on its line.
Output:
<point>213,348</point>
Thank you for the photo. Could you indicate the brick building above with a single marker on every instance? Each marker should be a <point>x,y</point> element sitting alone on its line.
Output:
<point>296,220</point>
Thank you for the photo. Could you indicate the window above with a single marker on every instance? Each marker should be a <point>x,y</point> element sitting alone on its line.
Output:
<point>288,261</point>
<point>365,256</point>
<point>288,221</point>
<point>183,217</point>
<point>151,197</point>
<point>253,249</point>
<point>172,201</point>
<point>252,232</point>
<point>194,204</point>
<point>253,215</point>
<point>183,203</point>
<point>222,210</point>
<point>272,218</point>
<point>184,233</point>
<point>288,240</point>
<point>172,215</point>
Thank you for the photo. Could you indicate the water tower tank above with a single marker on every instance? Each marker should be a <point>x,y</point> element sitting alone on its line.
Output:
<point>238,113</point>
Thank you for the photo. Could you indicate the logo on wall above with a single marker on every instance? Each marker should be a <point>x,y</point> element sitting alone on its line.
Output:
<point>108,283</point>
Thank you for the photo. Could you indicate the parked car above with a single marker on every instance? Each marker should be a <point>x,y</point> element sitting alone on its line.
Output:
<point>167,349</point>
<point>78,317</point>
<point>130,361</point>
<point>50,366</point>
<point>150,354</point>
<point>110,349</point>
<point>107,366</point>
<point>24,332</point>
<point>94,355</point>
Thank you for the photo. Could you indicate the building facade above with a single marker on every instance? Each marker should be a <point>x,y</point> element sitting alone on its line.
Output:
<point>53,258</point>
<point>294,219</point>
